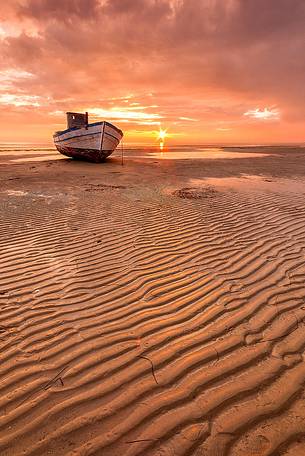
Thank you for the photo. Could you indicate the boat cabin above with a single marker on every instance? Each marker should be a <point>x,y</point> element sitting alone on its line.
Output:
<point>76,119</point>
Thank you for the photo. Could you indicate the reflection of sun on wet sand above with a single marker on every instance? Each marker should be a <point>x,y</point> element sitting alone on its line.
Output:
<point>162,134</point>
<point>153,308</point>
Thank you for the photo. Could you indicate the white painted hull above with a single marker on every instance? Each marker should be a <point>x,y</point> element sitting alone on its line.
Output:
<point>94,142</point>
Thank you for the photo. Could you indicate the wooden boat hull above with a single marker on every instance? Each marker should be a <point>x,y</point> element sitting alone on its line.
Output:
<point>92,155</point>
<point>94,143</point>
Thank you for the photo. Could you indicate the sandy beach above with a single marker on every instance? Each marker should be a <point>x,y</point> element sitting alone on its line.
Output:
<point>155,308</point>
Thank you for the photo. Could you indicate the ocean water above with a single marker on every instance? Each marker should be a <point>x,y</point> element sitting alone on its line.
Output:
<point>28,152</point>
<point>17,152</point>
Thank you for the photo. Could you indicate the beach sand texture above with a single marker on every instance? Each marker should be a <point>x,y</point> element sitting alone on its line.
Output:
<point>155,308</point>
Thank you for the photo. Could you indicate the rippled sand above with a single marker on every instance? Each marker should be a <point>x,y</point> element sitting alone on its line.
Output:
<point>155,308</point>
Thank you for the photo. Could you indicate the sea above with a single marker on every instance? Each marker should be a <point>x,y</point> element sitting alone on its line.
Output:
<point>29,152</point>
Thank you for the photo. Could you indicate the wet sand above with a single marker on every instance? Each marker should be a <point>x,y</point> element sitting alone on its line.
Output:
<point>155,308</point>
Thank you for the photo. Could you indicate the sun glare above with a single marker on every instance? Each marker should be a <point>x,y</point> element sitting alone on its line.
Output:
<point>162,134</point>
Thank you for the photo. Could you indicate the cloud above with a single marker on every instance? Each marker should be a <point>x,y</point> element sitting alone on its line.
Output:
<point>263,114</point>
<point>19,100</point>
<point>62,10</point>
<point>188,119</point>
<point>123,113</point>
<point>207,60</point>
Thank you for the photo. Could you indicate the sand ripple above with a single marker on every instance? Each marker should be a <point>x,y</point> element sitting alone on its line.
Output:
<point>169,326</point>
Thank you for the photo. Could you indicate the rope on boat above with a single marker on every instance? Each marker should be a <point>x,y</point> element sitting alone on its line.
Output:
<point>122,152</point>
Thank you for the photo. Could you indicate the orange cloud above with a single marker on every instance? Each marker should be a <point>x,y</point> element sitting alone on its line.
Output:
<point>201,68</point>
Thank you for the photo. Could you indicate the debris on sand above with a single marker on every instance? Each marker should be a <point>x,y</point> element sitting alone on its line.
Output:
<point>196,193</point>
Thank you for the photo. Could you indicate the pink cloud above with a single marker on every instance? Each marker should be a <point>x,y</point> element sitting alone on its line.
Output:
<point>207,60</point>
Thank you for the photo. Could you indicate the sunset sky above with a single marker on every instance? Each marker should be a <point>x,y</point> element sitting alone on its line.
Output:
<point>208,71</point>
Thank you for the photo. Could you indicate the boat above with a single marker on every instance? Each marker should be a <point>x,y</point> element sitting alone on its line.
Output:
<point>93,142</point>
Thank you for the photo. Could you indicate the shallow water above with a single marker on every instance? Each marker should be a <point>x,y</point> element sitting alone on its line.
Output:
<point>42,157</point>
<point>196,154</point>
<point>248,182</point>
<point>32,153</point>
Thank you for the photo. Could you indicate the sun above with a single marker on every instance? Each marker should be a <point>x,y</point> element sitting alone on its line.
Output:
<point>162,134</point>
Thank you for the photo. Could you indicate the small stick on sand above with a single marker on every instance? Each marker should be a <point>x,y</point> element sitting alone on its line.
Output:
<point>152,367</point>
<point>142,440</point>
<point>54,379</point>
